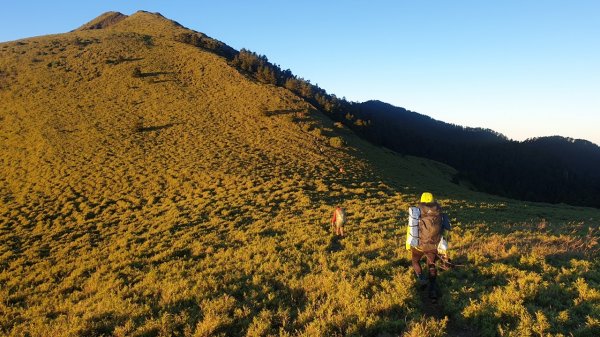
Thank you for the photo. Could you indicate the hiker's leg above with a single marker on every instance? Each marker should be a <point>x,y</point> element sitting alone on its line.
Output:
<point>432,272</point>
<point>341,230</point>
<point>431,258</point>
<point>416,257</point>
<point>433,291</point>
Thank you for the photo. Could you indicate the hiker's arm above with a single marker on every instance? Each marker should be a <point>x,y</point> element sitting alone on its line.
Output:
<point>446,227</point>
<point>445,223</point>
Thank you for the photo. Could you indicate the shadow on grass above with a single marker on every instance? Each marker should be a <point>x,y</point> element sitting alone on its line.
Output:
<point>157,73</point>
<point>155,128</point>
<point>123,59</point>
<point>102,324</point>
<point>282,112</point>
<point>335,244</point>
<point>163,81</point>
<point>387,271</point>
<point>271,233</point>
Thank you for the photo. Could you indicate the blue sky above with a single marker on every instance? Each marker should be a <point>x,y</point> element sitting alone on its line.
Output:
<point>523,68</point>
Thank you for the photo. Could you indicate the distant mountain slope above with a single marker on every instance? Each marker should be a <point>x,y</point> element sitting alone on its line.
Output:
<point>550,169</point>
<point>84,100</point>
<point>387,115</point>
<point>577,154</point>
<point>103,21</point>
<point>556,172</point>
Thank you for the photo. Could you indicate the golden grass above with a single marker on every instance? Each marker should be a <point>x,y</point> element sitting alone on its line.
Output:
<point>192,201</point>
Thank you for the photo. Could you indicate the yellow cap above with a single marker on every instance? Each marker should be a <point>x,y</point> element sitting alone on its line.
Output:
<point>427,197</point>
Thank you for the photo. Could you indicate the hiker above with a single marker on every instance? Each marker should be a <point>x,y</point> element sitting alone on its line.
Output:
<point>338,220</point>
<point>424,238</point>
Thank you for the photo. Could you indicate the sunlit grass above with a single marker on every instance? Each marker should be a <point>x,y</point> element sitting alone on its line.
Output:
<point>193,201</point>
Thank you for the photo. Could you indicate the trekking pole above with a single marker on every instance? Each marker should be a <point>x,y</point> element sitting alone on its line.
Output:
<point>447,264</point>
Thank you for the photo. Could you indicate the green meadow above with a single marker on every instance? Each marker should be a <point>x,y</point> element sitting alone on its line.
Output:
<point>149,188</point>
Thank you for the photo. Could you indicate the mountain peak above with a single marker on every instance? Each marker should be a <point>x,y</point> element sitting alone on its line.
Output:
<point>147,13</point>
<point>142,22</point>
<point>103,21</point>
<point>155,24</point>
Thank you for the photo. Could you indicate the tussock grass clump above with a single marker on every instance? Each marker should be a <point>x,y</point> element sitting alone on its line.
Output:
<point>137,72</point>
<point>336,142</point>
<point>427,327</point>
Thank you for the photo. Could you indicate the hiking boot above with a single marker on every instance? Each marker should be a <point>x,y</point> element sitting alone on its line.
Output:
<point>421,281</point>
<point>433,291</point>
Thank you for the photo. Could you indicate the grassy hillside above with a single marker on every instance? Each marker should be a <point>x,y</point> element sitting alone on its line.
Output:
<point>148,188</point>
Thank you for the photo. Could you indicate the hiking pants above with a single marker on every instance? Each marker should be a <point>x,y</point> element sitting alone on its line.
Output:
<point>431,258</point>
